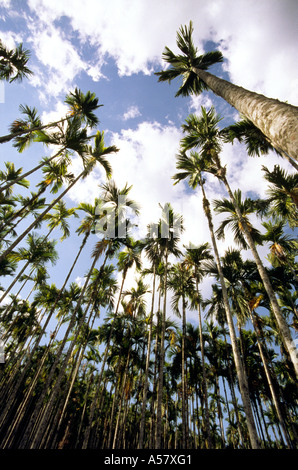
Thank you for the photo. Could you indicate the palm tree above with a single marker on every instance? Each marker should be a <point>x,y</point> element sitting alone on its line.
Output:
<point>71,139</point>
<point>59,217</point>
<point>204,132</point>
<point>97,155</point>
<point>283,194</point>
<point>169,228</point>
<point>194,260</point>
<point>13,176</point>
<point>116,204</point>
<point>182,284</point>
<point>282,246</point>
<point>241,276</point>
<point>13,63</point>
<point>152,251</point>
<point>55,174</point>
<point>227,206</point>
<point>247,206</point>
<point>276,120</point>
<point>136,305</point>
<point>127,258</point>
<point>256,142</point>
<point>24,131</point>
<point>192,168</point>
<point>39,251</point>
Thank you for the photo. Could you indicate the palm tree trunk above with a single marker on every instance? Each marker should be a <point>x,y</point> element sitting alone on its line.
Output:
<point>12,135</point>
<point>14,281</point>
<point>158,431</point>
<point>206,416</point>
<point>21,212</point>
<point>12,396</point>
<point>43,422</point>
<point>243,384</point>
<point>283,327</point>
<point>183,378</point>
<point>122,392</point>
<point>146,384</point>
<point>277,120</point>
<point>92,409</point>
<point>270,382</point>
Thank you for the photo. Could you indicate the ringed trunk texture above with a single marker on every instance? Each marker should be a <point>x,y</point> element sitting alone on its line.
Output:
<point>276,119</point>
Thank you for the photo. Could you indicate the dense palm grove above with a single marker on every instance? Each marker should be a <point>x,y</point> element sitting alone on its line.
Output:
<point>97,365</point>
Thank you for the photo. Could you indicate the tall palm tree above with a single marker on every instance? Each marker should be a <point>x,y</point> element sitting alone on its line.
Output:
<point>194,260</point>
<point>13,175</point>
<point>247,207</point>
<point>192,168</point>
<point>182,283</point>
<point>169,229</point>
<point>58,218</point>
<point>276,120</point>
<point>227,206</point>
<point>13,63</point>
<point>55,174</point>
<point>96,155</point>
<point>72,138</point>
<point>39,251</point>
<point>127,258</point>
<point>136,305</point>
<point>152,252</point>
<point>203,132</point>
<point>116,205</point>
<point>24,131</point>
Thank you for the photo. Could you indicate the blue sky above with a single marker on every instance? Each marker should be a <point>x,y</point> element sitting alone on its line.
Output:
<point>113,48</point>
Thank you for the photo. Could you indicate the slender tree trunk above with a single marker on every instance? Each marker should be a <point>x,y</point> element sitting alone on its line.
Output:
<point>20,212</point>
<point>158,431</point>
<point>14,281</point>
<point>40,217</point>
<point>39,430</point>
<point>146,384</point>
<point>122,392</point>
<point>243,384</point>
<point>206,416</point>
<point>7,185</point>
<point>12,396</point>
<point>183,378</point>
<point>92,409</point>
<point>12,135</point>
<point>282,324</point>
<point>277,120</point>
<point>270,382</point>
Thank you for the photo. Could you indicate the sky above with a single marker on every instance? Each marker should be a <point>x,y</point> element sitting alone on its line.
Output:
<point>113,48</point>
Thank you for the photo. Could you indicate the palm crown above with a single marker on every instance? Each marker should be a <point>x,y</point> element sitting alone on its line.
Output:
<point>185,63</point>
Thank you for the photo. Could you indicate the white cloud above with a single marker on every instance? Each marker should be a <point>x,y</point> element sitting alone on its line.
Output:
<point>58,55</point>
<point>11,39</point>
<point>258,39</point>
<point>131,113</point>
